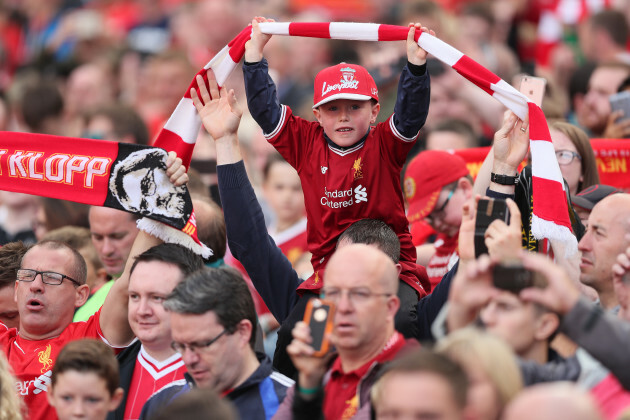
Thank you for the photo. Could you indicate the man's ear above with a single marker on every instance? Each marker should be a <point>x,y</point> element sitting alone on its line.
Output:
<point>318,115</point>
<point>245,329</point>
<point>82,295</point>
<point>547,324</point>
<point>393,304</point>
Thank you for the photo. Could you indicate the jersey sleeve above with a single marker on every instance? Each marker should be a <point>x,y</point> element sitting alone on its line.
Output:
<point>290,135</point>
<point>262,97</point>
<point>398,134</point>
<point>90,329</point>
<point>412,104</point>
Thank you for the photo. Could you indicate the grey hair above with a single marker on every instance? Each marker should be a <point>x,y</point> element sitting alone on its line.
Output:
<point>220,290</point>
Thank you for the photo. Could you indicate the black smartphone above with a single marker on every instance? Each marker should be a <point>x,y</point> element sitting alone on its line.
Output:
<point>319,315</point>
<point>513,277</point>
<point>488,210</point>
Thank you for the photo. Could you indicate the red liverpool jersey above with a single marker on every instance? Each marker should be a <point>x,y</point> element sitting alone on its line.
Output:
<point>32,362</point>
<point>149,376</point>
<point>342,186</point>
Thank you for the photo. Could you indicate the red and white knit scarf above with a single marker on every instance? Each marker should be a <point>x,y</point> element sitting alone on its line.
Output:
<point>550,213</point>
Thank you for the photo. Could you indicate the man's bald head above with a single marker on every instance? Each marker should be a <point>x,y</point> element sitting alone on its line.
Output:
<point>363,282</point>
<point>369,260</point>
<point>554,401</point>
<point>605,238</point>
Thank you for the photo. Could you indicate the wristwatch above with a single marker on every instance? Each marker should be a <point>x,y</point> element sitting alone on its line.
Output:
<point>504,179</point>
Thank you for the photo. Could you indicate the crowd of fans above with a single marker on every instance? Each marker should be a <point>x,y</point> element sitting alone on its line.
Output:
<point>102,320</point>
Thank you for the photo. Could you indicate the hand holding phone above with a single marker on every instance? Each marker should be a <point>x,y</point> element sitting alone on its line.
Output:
<point>533,88</point>
<point>488,210</point>
<point>513,277</point>
<point>319,316</point>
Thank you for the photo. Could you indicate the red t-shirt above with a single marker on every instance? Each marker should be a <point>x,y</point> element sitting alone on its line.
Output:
<point>341,400</point>
<point>149,376</point>
<point>342,187</point>
<point>32,362</point>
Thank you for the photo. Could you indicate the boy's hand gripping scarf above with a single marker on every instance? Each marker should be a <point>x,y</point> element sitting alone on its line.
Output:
<point>122,176</point>
<point>550,217</point>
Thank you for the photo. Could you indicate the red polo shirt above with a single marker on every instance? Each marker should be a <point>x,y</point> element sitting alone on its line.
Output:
<point>341,399</point>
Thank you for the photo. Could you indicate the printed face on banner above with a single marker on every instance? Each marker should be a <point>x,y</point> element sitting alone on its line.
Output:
<point>140,184</point>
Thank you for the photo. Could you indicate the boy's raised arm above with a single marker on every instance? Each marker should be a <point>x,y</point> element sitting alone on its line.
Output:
<point>254,47</point>
<point>415,54</point>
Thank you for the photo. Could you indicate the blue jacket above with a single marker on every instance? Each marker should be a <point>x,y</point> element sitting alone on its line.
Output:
<point>257,398</point>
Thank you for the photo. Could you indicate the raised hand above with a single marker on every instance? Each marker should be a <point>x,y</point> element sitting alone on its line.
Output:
<point>511,143</point>
<point>254,47</point>
<point>311,369</point>
<point>415,54</point>
<point>175,170</point>
<point>219,111</point>
<point>503,240</point>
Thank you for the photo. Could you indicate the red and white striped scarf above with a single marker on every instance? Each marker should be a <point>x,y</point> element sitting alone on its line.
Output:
<point>550,217</point>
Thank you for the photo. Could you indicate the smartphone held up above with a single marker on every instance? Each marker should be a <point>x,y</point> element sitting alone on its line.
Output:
<point>319,316</point>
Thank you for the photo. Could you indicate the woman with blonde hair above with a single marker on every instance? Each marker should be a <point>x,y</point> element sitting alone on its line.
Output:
<point>10,402</point>
<point>491,366</point>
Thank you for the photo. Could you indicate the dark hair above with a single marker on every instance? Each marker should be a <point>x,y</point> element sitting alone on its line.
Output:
<point>211,228</point>
<point>40,101</point>
<point>61,213</point>
<point>424,360</point>
<point>10,259</point>
<point>624,85</point>
<point>457,126</point>
<point>88,356</point>
<point>187,261</point>
<point>480,10</point>
<point>373,231</point>
<point>272,159</point>
<point>578,82</point>
<point>199,403</point>
<point>78,271</point>
<point>125,121</point>
<point>220,290</point>
<point>613,23</point>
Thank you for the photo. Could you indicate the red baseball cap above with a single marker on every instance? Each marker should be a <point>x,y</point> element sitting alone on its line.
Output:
<point>425,177</point>
<point>344,81</point>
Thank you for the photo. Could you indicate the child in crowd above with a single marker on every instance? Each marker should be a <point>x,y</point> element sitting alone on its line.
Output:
<point>349,169</point>
<point>84,382</point>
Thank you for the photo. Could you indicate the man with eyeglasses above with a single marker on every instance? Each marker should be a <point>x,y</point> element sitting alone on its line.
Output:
<point>213,322</point>
<point>151,363</point>
<point>363,333</point>
<point>51,284</point>
<point>437,184</point>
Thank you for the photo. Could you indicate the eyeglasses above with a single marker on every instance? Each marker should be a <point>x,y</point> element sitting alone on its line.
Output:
<point>196,347</point>
<point>358,295</point>
<point>439,213</point>
<point>48,277</point>
<point>565,157</point>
